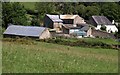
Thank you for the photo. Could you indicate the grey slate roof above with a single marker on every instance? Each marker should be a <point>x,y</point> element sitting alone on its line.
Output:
<point>54,18</point>
<point>101,20</point>
<point>70,26</point>
<point>85,28</point>
<point>32,31</point>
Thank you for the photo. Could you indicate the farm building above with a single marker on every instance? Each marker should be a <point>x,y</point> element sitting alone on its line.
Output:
<point>101,34</point>
<point>99,21</point>
<point>72,19</point>
<point>27,31</point>
<point>78,30</point>
<point>56,21</point>
<point>53,22</point>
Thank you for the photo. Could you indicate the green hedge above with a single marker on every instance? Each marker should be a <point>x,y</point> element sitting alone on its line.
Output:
<point>82,43</point>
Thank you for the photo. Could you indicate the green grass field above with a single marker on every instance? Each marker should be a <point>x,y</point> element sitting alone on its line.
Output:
<point>29,5</point>
<point>48,58</point>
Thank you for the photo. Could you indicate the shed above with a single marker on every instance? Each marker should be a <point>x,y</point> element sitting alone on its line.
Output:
<point>53,22</point>
<point>27,31</point>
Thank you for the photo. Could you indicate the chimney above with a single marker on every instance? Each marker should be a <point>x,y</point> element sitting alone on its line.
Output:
<point>113,22</point>
<point>59,16</point>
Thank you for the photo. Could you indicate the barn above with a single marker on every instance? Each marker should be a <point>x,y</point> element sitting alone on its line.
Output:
<point>27,31</point>
<point>53,22</point>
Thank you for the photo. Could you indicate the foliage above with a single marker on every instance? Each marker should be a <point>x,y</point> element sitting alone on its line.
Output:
<point>111,10</point>
<point>85,10</point>
<point>81,43</point>
<point>14,13</point>
<point>44,8</point>
<point>117,34</point>
<point>29,5</point>
<point>92,10</point>
<point>103,27</point>
<point>81,10</point>
<point>35,21</point>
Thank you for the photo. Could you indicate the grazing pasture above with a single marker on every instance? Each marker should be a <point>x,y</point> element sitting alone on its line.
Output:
<point>30,56</point>
<point>29,5</point>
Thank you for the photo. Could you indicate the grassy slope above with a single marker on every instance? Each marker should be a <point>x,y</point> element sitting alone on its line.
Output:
<point>45,57</point>
<point>29,5</point>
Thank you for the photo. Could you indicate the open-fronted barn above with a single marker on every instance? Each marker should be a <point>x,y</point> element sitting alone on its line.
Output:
<point>27,31</point>
<point>53,22</point>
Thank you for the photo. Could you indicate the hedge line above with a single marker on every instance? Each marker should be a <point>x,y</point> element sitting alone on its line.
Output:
<point>77,43</point>
<point>80,43</point>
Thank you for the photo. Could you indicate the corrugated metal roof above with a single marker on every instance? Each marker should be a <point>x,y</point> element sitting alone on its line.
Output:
<point>32,31</point>
<point>54,18</point>
<point>101,20</point>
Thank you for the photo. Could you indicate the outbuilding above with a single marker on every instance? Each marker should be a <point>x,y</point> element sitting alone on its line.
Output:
<point>78,31</point>
<point>27,31</point>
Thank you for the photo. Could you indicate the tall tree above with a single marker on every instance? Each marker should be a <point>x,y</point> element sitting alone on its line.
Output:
<point>111,10</point>
<point>81,9</point>
<point>14,13</point>
<point>91,10</point>
<point>68,8</point>
<point>44,8</point>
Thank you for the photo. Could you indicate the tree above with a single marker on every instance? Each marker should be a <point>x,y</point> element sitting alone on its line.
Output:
<point>14,13</point>
<point>81,9</point>
<point>117,34</point>
<point>44,8</point>
<point>91,10</point>
<point>111,10</point>
<point>68,8</point>
<point>35,21</point>
<point>103,27</point>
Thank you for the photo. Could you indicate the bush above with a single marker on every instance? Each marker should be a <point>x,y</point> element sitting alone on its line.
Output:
<point>24,40</point>
<point>103,27</point>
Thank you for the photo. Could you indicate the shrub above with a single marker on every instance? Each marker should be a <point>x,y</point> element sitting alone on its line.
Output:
<point>103,27</point>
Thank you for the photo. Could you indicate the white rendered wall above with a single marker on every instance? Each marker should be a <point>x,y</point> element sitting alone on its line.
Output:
<point>109,28</point>
<point>112,28</point>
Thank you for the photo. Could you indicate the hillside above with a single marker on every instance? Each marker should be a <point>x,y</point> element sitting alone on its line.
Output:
<point>33,56</point>
<point>29,5</point>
